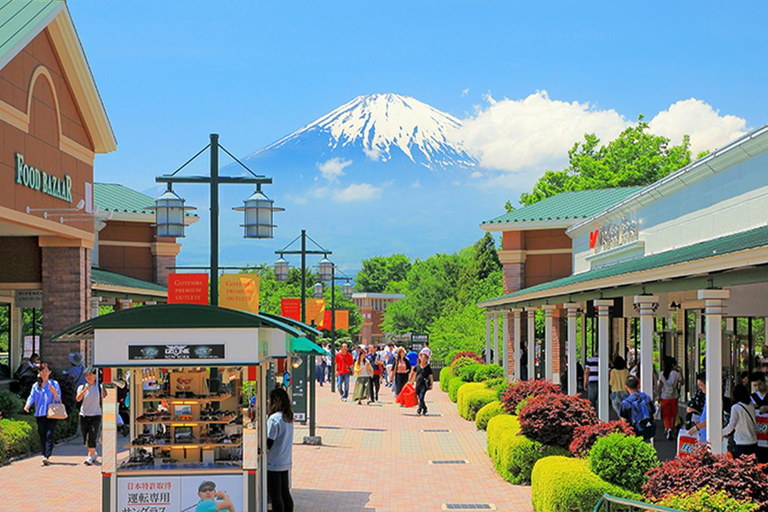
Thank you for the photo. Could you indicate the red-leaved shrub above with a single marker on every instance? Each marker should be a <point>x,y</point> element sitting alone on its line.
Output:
<point>522,389</point>
<point>468,354</point>
<point>551,419</point>
<point>739,478</point>
<point>585,436</point>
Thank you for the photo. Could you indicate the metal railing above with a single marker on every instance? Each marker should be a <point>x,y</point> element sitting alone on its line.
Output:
<point>610,503</point>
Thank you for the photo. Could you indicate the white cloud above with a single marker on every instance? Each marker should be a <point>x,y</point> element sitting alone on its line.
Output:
<point>707,128</point>
<point>533,134</point>
<point>416,184</point>
<point>372,153</point>
<point>465,92</point>
<point>476,174</point>
<point>357,192</point>
<point>333,169</point>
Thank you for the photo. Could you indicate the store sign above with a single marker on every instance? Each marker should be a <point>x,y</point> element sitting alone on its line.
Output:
<point>614,234</point>
<point>29,298</point>
<point>188,289</point>
<point>176,352</point>
<point>177,493</point>
<point>31,177</point>
<point>239,291</point>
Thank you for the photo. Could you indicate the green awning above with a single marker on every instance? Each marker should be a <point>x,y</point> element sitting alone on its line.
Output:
<point>306,329</point>
<point>306,347</point>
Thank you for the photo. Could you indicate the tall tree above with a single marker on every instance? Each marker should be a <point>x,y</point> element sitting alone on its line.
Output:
<point>635,157</point>
<point>378,272</point>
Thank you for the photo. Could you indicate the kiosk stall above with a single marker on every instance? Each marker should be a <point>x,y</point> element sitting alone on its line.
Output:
<point>197,381</point>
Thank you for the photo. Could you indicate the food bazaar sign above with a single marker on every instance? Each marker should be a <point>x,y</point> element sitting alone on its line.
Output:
<point>31,177</point>
<point>614,234</point>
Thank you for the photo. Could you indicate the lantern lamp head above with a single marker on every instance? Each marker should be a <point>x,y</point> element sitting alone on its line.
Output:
<point>281,269</point>
<point>317,290</point>
<point>347,290</point>
<point>325,269</point>
<point>258,217</point>
<point>169,214</point>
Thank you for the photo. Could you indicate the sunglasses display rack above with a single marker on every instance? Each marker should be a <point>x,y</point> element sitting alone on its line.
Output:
<point>178,419</point>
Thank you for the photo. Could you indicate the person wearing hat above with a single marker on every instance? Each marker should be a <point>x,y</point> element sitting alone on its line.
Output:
<point>89,395</point>
<point>212,500</point>
<point>77,372</point>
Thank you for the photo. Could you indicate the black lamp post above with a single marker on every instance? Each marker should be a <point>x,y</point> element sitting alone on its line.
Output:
<point>259,209</point>
<point>324,271</point>
<point>347,292</point>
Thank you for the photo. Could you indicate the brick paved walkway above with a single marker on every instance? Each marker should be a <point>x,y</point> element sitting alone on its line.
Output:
<point>374,458</point>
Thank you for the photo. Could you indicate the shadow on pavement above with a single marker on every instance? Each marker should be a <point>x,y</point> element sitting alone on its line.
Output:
<point>314,499</point>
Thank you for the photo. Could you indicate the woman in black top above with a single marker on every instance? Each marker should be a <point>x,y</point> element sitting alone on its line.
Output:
<point>422,374</point>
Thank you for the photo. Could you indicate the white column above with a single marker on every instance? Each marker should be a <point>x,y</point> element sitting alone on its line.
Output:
<point>517,342</point>
<point>487,337</point>
<point>505,342</point>
<point>549,329</point>
<point>603,333</point>
<point>573,313</point>
<point>495,350</point>
<point>646,305</point>
<point>125,303</point>
<point>715,306</point>
<point>531,338</point>
<point>95,301</point>
<point>16,338</point>
<point>150,303</point>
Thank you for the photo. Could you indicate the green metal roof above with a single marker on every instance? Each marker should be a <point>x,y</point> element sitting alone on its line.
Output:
<point>173,316</point>
<point>567,205</point>
<point>743,241</point>
<point>119,198</point>
<point>21,21</point>
<point>293,323</point>
<point>106,277</point>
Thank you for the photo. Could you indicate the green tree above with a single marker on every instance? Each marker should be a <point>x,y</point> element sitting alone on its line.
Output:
<point>635,157</point>
<point>378,272</point>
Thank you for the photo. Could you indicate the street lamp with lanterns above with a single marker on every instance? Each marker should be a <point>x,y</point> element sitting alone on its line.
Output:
<point>259,209</point>
<point>346,291</point>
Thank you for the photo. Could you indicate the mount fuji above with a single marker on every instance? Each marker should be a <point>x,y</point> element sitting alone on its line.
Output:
<point>379,128</point>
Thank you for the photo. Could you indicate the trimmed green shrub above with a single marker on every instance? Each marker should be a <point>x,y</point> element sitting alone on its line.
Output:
<point>514,455</point>
<point>489,371</point>
<point>487,412</point>
<point>622,460</point>
<point>563,483</point>
<point>460,363</point>
<point>467,373</point>
<point>456,353</point>
<point>16,438</point>
<point>704,500</point>
<point>446,375</point>
<point>10,403</point>
<point>472,397</point>
<point>453,388</point>
<point>495,382</point>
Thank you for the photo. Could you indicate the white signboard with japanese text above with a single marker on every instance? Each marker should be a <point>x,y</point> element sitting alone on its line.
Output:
<point>193,493</point>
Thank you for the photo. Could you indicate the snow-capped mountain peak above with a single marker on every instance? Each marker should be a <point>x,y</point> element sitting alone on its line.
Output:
<point>384,124</point>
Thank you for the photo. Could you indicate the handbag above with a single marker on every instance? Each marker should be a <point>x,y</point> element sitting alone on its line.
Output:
<point>57,411</point>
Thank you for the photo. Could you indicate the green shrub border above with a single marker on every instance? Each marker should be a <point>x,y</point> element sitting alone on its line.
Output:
<point>487,412</point>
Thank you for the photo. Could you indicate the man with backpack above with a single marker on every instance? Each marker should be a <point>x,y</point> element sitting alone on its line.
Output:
<point>638,410</point>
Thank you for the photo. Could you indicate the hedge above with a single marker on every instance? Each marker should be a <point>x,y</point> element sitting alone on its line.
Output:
<point>487,412</point>
<point>564,483</point>
<point>18,434</point>
<point>513,454</point>
<point>622,460</point>
<point>453,388</point>
<point>472,397</point>
<point>489,371</point>
<point>446,375</point>
<point>467,373</point>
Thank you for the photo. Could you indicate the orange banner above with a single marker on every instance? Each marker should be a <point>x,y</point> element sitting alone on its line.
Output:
<point>188,289</point>
<point>291,308</point>
<point>239,291</point>
<point>315,311</point>
<point>342,319</point>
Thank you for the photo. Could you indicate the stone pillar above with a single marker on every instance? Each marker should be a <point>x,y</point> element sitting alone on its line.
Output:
<point>549,309</point>
<point>715,307</point>
<point>517,342</point>
<point>505,343</point>
<point>95,301</point>
<point>646,305</point>
<point>16,338</point>
<point>573,313</point>
<point>531,340</point>
<point>487,337</point>
<point>66,276</point>
<point>124,304</point>
<point>150,303</point>
<point>603,332</point>
<point>495,350</point>
<point>163,256</point>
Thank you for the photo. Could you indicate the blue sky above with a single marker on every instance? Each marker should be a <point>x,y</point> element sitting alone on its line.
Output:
<point>171,72</point>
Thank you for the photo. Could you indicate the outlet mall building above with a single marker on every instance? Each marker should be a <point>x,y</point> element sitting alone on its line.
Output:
<point>67,245</point>
<point>678,268</point>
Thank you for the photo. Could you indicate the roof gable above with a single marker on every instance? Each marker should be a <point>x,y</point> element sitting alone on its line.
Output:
<point>21,21</point>
<point>579,204</point>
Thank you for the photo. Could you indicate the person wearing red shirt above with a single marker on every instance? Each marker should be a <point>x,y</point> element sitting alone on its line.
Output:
<point>344,365</point>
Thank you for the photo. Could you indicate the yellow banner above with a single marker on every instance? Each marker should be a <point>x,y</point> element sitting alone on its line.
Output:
<point>239,291</point>
<point>315,311</point>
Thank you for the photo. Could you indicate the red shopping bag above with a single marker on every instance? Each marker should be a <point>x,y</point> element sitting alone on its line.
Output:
<point>407,396</point>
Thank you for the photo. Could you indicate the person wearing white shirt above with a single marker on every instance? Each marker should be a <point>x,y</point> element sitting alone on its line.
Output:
<point>428,351</point>
<point>742,423</point>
